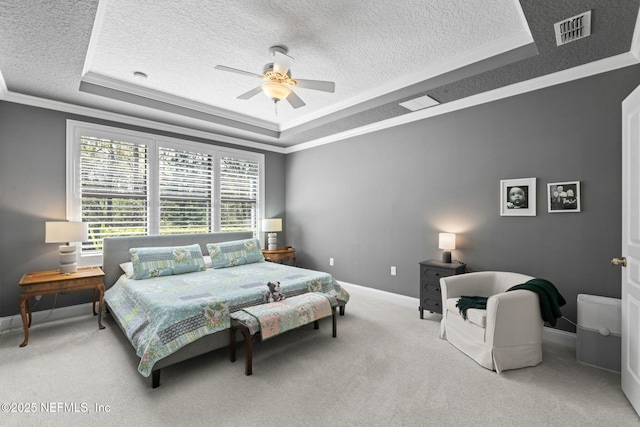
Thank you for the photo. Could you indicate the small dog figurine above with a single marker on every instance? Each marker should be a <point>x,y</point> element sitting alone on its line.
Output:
<point>274,292</point>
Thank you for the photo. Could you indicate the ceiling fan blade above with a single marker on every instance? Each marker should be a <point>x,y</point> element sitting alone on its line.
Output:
<point>253,92</point>
<point>295,100</point>
<point>235,70</point>
<point>281,63</point>
<point>316,85</point>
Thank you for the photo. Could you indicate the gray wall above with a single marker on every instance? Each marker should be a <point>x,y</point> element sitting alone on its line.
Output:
<point>33,190</point>
<point>381,199</point>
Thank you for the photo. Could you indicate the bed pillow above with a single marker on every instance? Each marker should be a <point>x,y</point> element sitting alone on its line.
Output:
<point>236,252</point>
<point>166,261</point>
<point>127,267</point>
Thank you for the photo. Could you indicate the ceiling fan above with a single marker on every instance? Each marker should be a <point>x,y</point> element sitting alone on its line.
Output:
<point>277,75</point>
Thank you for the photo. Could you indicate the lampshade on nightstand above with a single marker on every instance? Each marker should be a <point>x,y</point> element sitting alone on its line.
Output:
<point>271,226</point>
<point>447,241</point>
<point>66,232</point>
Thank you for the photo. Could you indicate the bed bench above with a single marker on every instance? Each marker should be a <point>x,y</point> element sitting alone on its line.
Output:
<point>251,325</point>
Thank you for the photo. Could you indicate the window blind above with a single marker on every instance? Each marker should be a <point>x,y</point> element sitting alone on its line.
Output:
<point>126,183</point>
<point>239,180</point>
<point>186,191</point>
<point>114,188</point>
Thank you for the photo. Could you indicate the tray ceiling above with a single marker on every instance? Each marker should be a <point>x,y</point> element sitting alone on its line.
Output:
<point>82,56</point>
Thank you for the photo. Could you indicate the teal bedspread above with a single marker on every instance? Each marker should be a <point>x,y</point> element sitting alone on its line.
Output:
<point>163,314</point>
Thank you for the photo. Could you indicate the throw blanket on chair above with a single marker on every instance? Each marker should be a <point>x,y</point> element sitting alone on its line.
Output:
<point>465,303</point>
<point>550,300</point>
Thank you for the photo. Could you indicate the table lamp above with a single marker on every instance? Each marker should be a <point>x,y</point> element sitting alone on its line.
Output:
<point>447,241</point>
<point>66,232</point>
<point>271,226</point>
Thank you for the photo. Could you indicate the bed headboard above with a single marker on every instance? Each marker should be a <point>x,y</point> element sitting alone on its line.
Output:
<point>116,249</point>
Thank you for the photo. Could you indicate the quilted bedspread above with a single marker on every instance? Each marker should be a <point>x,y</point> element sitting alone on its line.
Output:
<point>162,314</point>
<point>290,313</point>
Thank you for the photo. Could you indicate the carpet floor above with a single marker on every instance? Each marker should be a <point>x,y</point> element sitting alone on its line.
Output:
<point>386,368</point>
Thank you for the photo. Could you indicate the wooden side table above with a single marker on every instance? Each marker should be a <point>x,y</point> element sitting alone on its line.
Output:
<point>280,254</point>
<point>53,282</point>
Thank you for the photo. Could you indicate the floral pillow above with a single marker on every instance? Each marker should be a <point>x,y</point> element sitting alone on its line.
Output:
<point>236,252</point>
<point>166,261</point>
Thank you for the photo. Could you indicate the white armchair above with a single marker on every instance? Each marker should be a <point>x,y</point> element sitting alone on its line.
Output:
<point>508,334</point>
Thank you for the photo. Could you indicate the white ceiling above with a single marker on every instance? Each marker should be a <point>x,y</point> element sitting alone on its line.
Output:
<point>378,52</point>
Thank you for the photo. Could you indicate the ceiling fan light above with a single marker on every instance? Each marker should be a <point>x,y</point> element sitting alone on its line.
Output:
<point>275,91</point>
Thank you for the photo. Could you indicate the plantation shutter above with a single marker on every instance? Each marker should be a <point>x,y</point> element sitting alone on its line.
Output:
<point>238,194</point>
<point>114,187</point>
<point>186,191</point>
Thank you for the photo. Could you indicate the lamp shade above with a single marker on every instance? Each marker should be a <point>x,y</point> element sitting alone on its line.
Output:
<point>64,232</point>
<point>271,225</point>
<point>447,241</point>
<point>276,91</point>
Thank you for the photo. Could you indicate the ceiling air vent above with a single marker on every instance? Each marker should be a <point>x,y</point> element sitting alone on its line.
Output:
<point>574,28</point>
<point>416,104</point>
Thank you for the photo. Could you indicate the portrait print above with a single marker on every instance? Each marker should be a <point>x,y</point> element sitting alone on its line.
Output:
<point>563,196</point>
<point>518,197</point>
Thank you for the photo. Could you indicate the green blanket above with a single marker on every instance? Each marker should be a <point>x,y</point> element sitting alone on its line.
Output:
<point>550,300</point>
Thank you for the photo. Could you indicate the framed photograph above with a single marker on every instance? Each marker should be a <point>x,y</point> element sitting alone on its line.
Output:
<point>518,197</point>
<point>563,196</point>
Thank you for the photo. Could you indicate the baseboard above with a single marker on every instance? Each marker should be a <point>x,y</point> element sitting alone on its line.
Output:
<point>388,296</point>
<point>551,335</point>
<point>13,323</point>
<point>560,337</point>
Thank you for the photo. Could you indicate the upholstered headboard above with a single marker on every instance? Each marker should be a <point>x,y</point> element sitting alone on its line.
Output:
<point>116,249</point>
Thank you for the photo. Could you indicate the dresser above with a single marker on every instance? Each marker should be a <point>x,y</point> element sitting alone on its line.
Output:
<point>430,273</point>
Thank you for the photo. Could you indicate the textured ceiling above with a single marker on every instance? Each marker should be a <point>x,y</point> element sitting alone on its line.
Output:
<point>378,52</point>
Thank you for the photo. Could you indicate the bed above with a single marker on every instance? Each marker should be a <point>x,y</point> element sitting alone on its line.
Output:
<point>181,315</point>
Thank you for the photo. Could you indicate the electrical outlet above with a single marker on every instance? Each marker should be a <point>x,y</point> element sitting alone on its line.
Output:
<point>331,262</point>
<point>393,270</point>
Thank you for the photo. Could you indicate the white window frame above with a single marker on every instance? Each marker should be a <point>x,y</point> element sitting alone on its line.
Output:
<point>76,129</point>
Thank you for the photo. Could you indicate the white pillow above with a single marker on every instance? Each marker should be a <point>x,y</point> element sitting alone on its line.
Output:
<point>127,267</point>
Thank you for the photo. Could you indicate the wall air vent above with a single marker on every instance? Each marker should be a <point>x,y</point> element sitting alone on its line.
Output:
<point>574,28</point>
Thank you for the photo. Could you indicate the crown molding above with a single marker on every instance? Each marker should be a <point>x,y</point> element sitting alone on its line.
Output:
<point>135,121</point>
<point>482,53</point>
<point>593,68</point>
<point>133,89</point>
<point>3,86</point>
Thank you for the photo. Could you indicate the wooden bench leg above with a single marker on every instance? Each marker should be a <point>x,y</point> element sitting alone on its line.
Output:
<point>335,323</point>
<point>248,345</point>
<point>232,343</point>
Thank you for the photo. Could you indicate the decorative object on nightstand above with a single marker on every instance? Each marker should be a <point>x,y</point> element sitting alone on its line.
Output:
<point>447,241</point>
<point>271,226</point>
<point>52,282</point>
<point>430,273</point>
<point>280,254</point>
<point>66,232</point>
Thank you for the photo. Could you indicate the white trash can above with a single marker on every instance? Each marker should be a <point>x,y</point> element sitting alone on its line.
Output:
<point>599,331</point>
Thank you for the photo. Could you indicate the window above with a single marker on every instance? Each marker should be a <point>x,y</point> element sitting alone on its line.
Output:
<point>127,183</point>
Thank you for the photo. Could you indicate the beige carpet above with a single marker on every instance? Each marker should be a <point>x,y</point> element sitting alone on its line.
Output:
<point>386,368</point>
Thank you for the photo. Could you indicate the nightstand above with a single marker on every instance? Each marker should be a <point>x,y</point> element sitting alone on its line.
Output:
<point>430,273</point>
<point>280,254</point>
<point>53,282</point>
